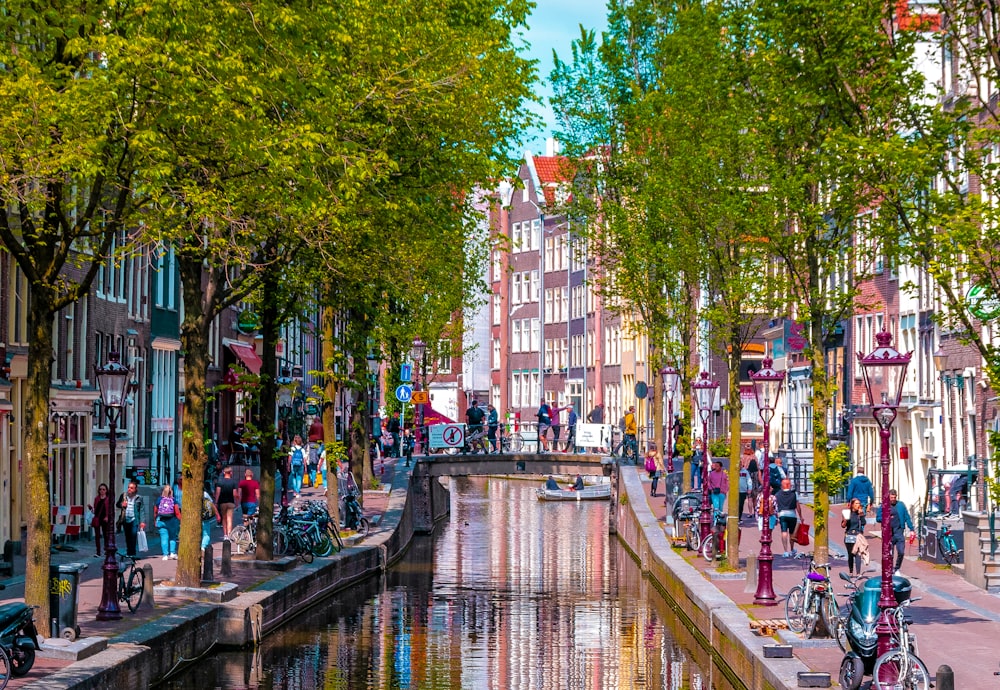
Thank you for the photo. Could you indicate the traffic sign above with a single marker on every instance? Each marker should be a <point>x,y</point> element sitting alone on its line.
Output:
<point>405,373</point>
<point>447,435</point>
<point>420,397</point>
<point>403,393</point>
<point>982,304</point>
<point>641,390</point>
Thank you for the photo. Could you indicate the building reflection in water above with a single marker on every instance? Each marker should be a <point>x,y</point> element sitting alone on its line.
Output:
<point>511,593</point>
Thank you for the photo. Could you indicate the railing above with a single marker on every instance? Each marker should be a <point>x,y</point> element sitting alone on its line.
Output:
<point>796,433</point>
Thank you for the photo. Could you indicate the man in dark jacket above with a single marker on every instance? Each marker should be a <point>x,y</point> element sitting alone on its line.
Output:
<point>860,487</point>
<point>899,521</point>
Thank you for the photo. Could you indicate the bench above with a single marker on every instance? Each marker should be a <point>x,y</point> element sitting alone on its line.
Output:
<point>7,564</point>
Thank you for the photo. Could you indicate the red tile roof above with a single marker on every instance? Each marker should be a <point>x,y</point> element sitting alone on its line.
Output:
<point>552,169</point>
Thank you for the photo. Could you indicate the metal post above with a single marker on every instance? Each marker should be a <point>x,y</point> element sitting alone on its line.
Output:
<point>705,519</point>
<point>886,627</point>
<point>764,596</point>
<point>108,609</point>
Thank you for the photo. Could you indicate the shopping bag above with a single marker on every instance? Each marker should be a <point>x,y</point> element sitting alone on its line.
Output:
<point>802,534</point>
<point>140,542</point>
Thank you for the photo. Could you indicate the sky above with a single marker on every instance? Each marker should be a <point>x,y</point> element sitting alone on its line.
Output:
<point>552,26</point>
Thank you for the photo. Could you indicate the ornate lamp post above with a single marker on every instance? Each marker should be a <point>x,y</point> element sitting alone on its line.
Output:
<point>704,395</point>
<point>417,350</point>
<point>671,385</point>
<point>373,368</point>
<point>884,370</point>
<point>766,388</point>
<point>113,381</point>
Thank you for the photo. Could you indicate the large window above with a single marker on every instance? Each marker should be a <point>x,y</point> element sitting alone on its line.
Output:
<point>112,276</point>
<point>166,269</point>
<point>444,356</point>
<point>17,321</point>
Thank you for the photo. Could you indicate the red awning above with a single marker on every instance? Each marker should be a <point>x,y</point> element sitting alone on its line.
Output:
<point>432,416</point>
<point>248,356</point>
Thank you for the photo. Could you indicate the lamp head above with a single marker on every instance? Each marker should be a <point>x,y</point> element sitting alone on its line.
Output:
<point>884,370</point>
<point>767,387</point>
<point>114,381</point>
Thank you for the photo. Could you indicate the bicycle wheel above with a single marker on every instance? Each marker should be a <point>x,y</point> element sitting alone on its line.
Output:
<point>948,550</point>
<point>708,549</point>
<point>693,536</point>
<point>134,588</point>
<point>828,612</point>
<point>794,614</point>
<point>241,539</point>
<point>303,549</point>
<point>280,542</point>
<point>839,633</point>
<point>516,443</point>
<point>898,670</point>
<point>323,546</point>
<point>5,668</point>
<point>363,528</point>
<point>812,616</point>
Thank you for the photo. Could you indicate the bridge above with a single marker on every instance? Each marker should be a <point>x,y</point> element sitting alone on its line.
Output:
<point>428,499</point>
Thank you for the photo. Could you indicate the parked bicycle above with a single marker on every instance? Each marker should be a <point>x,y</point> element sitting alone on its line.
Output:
<point>811,602</point>
<point>947,548</point>
<point>244,537</point>
<point>900,668</point>
<point>715,544</point>
<point>131,582</point>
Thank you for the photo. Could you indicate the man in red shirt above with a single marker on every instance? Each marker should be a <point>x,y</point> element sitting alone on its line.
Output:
<point>248,494</point>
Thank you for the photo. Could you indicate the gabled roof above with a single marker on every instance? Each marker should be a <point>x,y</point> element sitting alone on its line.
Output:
<point>549,174</point>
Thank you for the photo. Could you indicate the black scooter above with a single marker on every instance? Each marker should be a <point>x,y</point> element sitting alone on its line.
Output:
<point>352,517</point>
<point>18,635</point>
<point>862,640</point>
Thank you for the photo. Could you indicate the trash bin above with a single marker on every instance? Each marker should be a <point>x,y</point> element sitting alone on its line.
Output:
<point>64,595</point>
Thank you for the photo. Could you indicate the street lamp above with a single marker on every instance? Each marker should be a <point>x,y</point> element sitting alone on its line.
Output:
<point>113,381</point>
<point>884,371</point>
<point>671,385</point>
<point>417,350</point>
<point>704,395</point>
<point>766,388</point>
<point>373,368</point>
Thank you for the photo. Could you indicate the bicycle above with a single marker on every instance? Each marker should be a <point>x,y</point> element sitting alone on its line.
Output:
<point>131,582</point>
<point>901,668</point>
<point>947,548</point>
<point>244,537</point>
<point>715,544</point>
<point>812,601</point>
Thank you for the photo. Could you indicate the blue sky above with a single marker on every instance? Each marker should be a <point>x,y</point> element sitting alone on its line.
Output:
<point>552,26</point>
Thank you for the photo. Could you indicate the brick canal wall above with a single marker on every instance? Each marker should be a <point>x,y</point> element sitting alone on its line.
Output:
<point>717,623</point>
<point>148,653</point>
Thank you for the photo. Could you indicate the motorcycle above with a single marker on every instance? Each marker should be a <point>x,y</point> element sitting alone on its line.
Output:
<point>18,636</point>
<point>860,624</point>
<point>352,517</point>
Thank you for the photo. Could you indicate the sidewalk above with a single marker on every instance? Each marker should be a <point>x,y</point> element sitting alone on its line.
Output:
<point>91,583</point>
<point>955,623</point>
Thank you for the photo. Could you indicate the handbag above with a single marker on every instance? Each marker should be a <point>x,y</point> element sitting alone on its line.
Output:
<point>802,534</point>
<point>140,542</point>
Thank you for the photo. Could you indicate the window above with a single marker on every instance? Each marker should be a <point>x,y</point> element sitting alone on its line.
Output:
<point>497,266</point>
<point>550,254</point>
<point>563,353</point>
<point>536,232</point>
<point>496,354</point>
<point>112,274</point>
<point>17,323</point>
<point>444,356</point>
<point>549,311</point>
<point>535,287</point>
<point>515,345</point>
<point>497,304</point>
<point>515,389</point>
<point>515,238</point>
<point>563,303</point>
<point>535,333</point>
<point>548,355</point>
<point>515,290</point>
<point>166,269</point>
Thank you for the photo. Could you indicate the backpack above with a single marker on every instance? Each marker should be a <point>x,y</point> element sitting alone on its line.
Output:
<point>744,481</point>
<point>207,508</point>
<point>650,463</point>
<point>165,507</point>
<point>297,457</point>
<point>774,477</point>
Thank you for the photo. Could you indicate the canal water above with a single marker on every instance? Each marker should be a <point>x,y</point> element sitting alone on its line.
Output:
<point>510,593</point>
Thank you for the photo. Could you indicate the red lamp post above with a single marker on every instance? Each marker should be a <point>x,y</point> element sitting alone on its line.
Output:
<point>671,386</point>
<point>704,395</point>
<point>417,350</point>
<point>113,381</point>
<point>766,388</point>
<point>884,371</point>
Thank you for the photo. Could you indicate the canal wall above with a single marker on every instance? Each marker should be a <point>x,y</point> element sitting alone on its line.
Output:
<point>716,622</point>
<point>145,655</point>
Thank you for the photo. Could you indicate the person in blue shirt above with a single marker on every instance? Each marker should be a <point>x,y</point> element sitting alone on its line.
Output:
<point>552,484</point>
<point>899,520</point>
<point>860,487</point>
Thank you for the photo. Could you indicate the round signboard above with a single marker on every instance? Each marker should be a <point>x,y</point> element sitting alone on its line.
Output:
<point>982,304</point>
<point>247,322</point>
<point>641,389</point>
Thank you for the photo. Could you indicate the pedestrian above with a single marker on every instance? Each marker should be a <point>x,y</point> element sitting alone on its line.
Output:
<point>178,489</point>
<point>853,524</point>
<point>395,428</point>
<point>789,515</point>
<point>860,487</point>
<point>225,499</point>
<point>492,424</point>
<point>596,415</point>
<point>131,516</point>
<point>209,514</point>
<point>556,426</point>
<point>474,417</point>
<point>654,465</point>
<point>772,511</point>
<point>167,522</point>
<point>745,485</point>
<point>775,474</point>
<point>571,419</point>
<point>718,486</point>
<point>296,463</point>
<point>248,494</point>
<point>631,434</point>
<point>956,494</point>
<point>899,522</point>
<point>315,448</point>
<point>101,522</point>
<point>696,459</point>
<point>544,422</point>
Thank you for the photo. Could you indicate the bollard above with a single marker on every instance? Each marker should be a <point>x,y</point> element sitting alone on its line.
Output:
<point>945,678</point>
<point>226,569</point>
<point>147,603</point>
<point>208,565</point>
<point>751,585</point>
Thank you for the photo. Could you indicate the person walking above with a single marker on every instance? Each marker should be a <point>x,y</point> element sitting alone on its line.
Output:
<point>296,463</point>
<point>492,424</point>
<point>571,420</point>
<point>248,495</point>
<point>653,468</point>
<point>899,522</point>
<point>853,524</point>
<point>556,426</point>
<point>789,515</point>
<point>167,522</point>
<point>744,487</point>
<point>860,487</point>
<point>225,499</point>
<point>718,486</point>
<point>131,516</point>
<point>696,459</point>
<point>395,427</point>
<point>544,422</point>
<point>209,514</point>
<point>101,522</point>
<point>631,435</point>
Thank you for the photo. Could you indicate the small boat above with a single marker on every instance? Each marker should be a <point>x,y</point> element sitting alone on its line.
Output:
<point>595,492</point>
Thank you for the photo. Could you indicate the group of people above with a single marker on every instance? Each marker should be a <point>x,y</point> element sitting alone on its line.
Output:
<point>550,421</point>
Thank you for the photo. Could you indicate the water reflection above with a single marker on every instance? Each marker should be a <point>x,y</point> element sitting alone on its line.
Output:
<point>511,593</point>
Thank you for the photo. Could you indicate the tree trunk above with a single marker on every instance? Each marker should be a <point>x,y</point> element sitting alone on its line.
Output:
<point>821,438</point>
<point>735,444</point>
<point>328,349</point>
<point>36,456</point>
<point>359,445</point>
<point>270,326</point>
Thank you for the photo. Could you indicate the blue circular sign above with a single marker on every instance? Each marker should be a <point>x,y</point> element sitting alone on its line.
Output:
<point>404,393</point>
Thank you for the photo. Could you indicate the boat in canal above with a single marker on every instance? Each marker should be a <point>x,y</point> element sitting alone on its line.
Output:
<point>595,492</point>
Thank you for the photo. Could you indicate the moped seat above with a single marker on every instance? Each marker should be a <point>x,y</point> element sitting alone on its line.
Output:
<point>12,610</point>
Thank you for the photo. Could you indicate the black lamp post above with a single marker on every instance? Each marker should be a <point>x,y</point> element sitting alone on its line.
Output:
<point>671,384</point>
<point>417,350</point>
<point>884,370</point>
<point>113,381</point>
<point>766,388</point>
<point>704,395</point>
<point>373,367</point>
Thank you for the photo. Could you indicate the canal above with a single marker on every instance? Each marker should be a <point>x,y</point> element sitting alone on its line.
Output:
<point>509,593</point>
